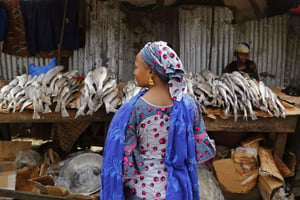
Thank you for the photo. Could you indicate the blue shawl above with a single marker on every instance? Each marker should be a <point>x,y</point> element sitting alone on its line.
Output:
<point>180,157</point>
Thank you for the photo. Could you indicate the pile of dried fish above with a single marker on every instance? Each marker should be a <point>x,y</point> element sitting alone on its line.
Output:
<point>100,86</point>
<point>129,90</point>
<point>40,92</point>
<point>233,92</point>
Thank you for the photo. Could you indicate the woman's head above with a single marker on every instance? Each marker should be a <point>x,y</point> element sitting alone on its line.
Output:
<point>242,51</point>
<point>142,71</point>
<point>163,61</point>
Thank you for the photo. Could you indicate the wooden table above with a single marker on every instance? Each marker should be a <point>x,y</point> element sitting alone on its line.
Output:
<point>278,127</point>
<point>26,116</point>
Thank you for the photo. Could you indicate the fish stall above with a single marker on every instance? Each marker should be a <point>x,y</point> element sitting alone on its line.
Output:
<point>80,93</point>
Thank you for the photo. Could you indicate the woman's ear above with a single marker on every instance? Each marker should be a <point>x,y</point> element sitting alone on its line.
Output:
<point>151,73</point>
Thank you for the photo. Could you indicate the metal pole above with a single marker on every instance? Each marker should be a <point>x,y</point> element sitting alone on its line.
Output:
<point>62,33</point>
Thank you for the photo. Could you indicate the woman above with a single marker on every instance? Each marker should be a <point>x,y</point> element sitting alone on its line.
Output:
<point>156,139</point>
<point>242,63</point>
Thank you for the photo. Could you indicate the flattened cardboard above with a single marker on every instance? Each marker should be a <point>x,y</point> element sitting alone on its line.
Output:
<point>23,175</point>
<point>9,149</point>
<point>284,170</point>
<point>231,180</point>
<point>252,141</point>
<point>270,177</point>
<point>45,185</point>
<point>7,175</point>
<point>268,165</point>
<point>8,172</point>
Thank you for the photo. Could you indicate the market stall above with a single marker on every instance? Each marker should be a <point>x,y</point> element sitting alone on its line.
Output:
<point>214,122</point>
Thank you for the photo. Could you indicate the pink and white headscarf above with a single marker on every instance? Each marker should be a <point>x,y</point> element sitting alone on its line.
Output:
<point>164,61</point>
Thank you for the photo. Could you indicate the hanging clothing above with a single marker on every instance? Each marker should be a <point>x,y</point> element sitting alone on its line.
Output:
<point>3,23</point>
<point>181,144</point>
<point>15,41</point>
<point>43,22</point>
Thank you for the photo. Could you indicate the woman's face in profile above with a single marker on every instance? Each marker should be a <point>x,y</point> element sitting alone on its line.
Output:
<point>141,71</point>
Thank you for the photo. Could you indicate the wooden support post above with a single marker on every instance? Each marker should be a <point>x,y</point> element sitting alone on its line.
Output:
<point>279,144</point>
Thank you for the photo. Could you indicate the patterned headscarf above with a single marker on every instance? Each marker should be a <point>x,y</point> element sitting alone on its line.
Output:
<point>167,65</point>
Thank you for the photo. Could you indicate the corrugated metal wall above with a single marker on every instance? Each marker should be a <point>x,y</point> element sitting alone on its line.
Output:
<point>204,37</point>
<point>114,37</point>
<point>292,69</point>
<point>204,45</point>
<point>268,40</point>
<point>11,66</point>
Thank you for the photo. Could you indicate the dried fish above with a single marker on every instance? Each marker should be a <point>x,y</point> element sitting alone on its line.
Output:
<point>234,92</point>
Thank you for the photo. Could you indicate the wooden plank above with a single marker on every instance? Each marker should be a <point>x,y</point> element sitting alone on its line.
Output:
<point>25,195</point>
<point>279,144</point>
<point>54,117</point>
<point>269,124</point>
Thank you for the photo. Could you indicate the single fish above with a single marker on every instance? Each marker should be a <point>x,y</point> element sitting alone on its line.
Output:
<point>14,82</point>
<point>51,74</point>
<point>5,89</point>
<point>25,104</point>
<point>22,80</point>
<point>88,81</point>
<point>47,109</point>
<point>59,84</point>
<point>15,90</point>
<point>243,108</point>
<point>99,75</point>
<point>52,83</point>
<point>70,74</point>
<point>281,107</point>
<point>249,107</point>
<point>84,102</point>
<point>262,91</point>
<point>110,83</point>
<point>107,101</point>
<point>209,75</point>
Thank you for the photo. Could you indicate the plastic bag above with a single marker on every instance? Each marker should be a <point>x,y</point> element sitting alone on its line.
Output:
<point>37,70</point>
<point>79,174</point>
<point>28,158</point>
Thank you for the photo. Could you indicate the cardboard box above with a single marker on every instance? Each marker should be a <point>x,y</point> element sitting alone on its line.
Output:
<point>9,149</point>
<point>231,180</point>
<point>253,141</point>
<point>8,175</point>
<point>270,177</point>
<point>8,172</point>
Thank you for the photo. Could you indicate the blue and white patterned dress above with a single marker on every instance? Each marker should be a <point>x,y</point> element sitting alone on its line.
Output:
<point>144,172</point>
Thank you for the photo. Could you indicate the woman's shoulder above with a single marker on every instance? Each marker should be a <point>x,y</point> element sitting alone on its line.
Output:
<point>250,62</point>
